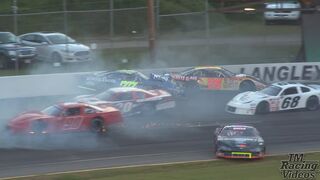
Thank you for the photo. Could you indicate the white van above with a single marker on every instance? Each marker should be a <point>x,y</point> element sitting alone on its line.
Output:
<point>282,11</point>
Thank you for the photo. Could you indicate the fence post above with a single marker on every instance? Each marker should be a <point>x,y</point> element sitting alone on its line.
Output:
<point>15,29</point>
<point>152,30</point>
<point>111,25</point>
<point>207,20</point>
<point>65,18</point>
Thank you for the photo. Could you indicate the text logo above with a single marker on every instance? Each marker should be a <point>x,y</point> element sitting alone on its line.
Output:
<point>296,167</point>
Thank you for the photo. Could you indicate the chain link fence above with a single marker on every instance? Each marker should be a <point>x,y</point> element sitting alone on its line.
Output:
<point>101,19</point>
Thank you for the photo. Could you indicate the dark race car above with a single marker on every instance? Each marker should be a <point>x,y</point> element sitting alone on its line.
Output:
<point>65,117</point>
<point>215,78</point>
<point>238,141</point>
<point>102,81</point>
<point>131,101</point>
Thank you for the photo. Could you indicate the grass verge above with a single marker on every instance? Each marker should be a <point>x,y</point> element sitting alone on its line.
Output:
<point>266,169</point>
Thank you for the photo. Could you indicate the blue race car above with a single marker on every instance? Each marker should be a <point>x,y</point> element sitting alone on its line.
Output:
<point>102,81</point>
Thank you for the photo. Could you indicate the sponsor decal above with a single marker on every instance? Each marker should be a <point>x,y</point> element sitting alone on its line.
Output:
<point>296,167</point>
<point>297,72</point>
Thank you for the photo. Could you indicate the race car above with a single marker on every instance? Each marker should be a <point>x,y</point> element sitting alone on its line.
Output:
<point>131,101</point>
<point>65,117</point>
<point>102,81</point>
<point>276,97</point>
<point>216,78</point>
<point>239,141</point>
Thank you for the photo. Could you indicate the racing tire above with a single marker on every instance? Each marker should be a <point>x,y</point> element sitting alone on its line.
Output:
<point>263,108</point>
<point>3,62</point>
<point>56,59</point>
<point>312,103</point>
<point>39,126</point>
<point>97,126</point>
<point>247,86</point>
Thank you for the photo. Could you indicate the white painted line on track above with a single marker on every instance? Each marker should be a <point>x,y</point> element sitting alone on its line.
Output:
<point>136,166</point>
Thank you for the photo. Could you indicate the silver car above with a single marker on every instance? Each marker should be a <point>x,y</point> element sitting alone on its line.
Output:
<point>56,48</point>
<point>282,11</point>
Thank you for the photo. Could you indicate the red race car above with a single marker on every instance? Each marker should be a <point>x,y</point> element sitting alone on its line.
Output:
<point>65,117</point>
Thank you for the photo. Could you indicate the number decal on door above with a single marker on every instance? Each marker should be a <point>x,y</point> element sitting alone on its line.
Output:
<point>289,101</point>
<point>125,107</point>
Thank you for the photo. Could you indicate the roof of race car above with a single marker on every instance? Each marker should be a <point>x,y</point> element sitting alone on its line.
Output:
<point>207,67</point>
<point>287,84</point>
<point>238,126</point>
<point>126,89</point>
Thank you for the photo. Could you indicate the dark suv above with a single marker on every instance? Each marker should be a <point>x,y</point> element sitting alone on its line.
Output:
<point>11,51</point>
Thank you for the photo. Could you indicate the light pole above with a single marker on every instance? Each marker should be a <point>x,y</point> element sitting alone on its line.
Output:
<point>152,30</point>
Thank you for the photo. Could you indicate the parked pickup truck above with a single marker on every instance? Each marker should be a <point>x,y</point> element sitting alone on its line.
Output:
<point>11,50</point>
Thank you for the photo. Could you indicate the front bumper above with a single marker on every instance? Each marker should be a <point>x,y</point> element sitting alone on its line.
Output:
<point>282,16</point>
<point>240,155</point>
<point>237,108</point>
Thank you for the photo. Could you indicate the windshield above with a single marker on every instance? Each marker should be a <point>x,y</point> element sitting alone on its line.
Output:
<point>60,39</point>
<point>227,72</point>
<point>105,96</point>
<point>239,132</point>
<point>271,90</point>
<point>8,38</point>
<point>52,111</point>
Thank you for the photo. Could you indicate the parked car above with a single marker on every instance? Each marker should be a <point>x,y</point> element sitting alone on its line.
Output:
<point>282,11</point>
<point>11,50</point>
<point>56,47</point>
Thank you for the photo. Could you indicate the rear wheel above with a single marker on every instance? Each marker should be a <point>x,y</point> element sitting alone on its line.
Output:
<point>3,62</point>
<point>262,108</point>
<point>98,127</point>
<point>312,103</point>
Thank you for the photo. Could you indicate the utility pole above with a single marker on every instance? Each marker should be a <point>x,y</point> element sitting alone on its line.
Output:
<point>152,30</point>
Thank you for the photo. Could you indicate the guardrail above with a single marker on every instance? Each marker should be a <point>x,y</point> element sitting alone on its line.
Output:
<point>66,84</point>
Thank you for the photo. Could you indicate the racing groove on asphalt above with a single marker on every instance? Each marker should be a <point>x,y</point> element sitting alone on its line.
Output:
<point>183,135</point>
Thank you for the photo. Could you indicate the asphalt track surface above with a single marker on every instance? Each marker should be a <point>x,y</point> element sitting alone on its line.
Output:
<point>183,135</point>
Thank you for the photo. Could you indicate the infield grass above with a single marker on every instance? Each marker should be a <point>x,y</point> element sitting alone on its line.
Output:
<point>266,169</point>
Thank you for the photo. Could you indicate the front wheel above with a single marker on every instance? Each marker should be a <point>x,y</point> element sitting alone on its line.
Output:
<point>56,59</point>
<point>262,108</point>
<point>312,103</point>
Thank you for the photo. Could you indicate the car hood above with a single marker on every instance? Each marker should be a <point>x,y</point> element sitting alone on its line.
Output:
<point>237,141</point>
<point>71,47</point>
<point>28,117</point>
<point>15,46</point>
<point>249,96</point>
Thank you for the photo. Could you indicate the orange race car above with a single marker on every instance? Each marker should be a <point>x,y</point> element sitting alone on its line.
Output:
<point>216,78</point>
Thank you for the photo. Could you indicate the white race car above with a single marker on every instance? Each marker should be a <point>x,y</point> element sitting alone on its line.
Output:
<point>276,97</point>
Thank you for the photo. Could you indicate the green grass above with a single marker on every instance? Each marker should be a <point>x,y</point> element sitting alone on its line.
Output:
<point>266,169</point>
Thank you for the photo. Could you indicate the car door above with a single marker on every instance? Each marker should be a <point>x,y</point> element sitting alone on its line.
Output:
<point>72,119</point>
<point>43,47</point>
<point>213,79</point>
<point>290,98</point>
<point>124,101</point>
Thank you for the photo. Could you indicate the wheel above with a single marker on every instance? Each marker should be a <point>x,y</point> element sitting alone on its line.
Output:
<point>98,127</point>
<point>39,126</point>
<point>56,59</point>
<point>3,62</point>
<point>148,110</point>
<point>312,103</point>
<point>262,108</point>
<point>247,86</point>
<point>268,22</point>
